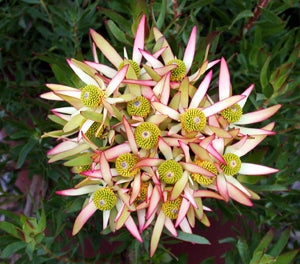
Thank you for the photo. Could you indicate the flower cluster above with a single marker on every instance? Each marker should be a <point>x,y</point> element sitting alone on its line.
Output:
<point>148,143</point>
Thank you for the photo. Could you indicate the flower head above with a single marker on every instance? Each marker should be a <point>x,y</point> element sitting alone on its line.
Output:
<point>148,144</point>
<point>113,56</point>
<point>234,115</point>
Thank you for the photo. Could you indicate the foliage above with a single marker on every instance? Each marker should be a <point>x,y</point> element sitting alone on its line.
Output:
<point>36,37</point>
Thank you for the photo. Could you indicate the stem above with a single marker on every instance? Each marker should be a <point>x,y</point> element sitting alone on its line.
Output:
<point>251,20</point>
<point>48,14</point>
<point>256,14</point>
<point>51,254</point>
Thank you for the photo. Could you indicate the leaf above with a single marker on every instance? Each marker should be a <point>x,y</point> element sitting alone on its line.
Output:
<point>243,14</point>
<point>193,238</point>
<point>281,243</point>
<point>57,120</point>
<point>210,260</point>
<point>243,250</point>
<point>118,34</point>
<point>42,221</point>
<point>34,2</point>
<point>270,16</point>
<point>287,257</point>
<point>264,80</point>
<point>54,134</point>
<point>120,20</point>
<point>92,116</point>
<point>11,215</point>
<point>266,259</point>
<point>280,75</point>
<point>73,124</point>
<point>62,74</point>
<point>69,153</point>
<point>10,229</point>
<point>262,246</point>
<point>82,160</point>
<point>25,151</point>
<point>12,248</point>
<point>162,14</point>
<point>268,188</point>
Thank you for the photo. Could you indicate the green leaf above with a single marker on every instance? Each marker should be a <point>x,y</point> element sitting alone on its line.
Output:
<point>30,249</point>
<point>57,120</point>
<point>20,135</point>
<point>82,160</point>
<point>270,16</point>
<point>287,257</point>
<point>162,14</point>
<point>54,134</point>
<point>243,250</point>
<point>75,122</point>
<point>62,74</point>
<point>262,246</point>
<point>155,76</point>
<point>280,75</point>
<point>25,151</point>
<point>118,34</point>
<point>281,243</point>
<point>10,229</point>
<point>120,20</point>
<point>268,188</point>
<point>42,221</point>
<point>241,15</point>
<point>227,240</point>
<point>34,2</point>
<point>92,116</point>
<point>11,215</point>
<point>69,153</point>
<point>12,248</point>
<point>266,259</point>
<point>264,80</point>
<point>193,238</point>
<point>210,260</point>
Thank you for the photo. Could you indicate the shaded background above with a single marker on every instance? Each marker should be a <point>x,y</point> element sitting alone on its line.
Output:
<point>260,41</point>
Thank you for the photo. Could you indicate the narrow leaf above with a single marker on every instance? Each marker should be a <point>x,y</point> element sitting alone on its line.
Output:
<point>281,243</point>
<point>25,151</point>
<point>287,257</point>
<point>12,248</point>
<point>193,238</point>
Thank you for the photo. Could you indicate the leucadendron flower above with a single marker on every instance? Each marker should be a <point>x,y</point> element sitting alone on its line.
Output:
<point>171,176</point>
<point>178,68</point>
<point>92,102</point>
<point>228,159</point>
<point>233,116</point>
<point>148,145</point>
<point>106,195</point>
<point>190,117</point>
<point>135,70</point>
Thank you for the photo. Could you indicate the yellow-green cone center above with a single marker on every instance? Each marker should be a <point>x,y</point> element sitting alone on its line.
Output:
<point>202,179</point>
<point>125,163</point>
<point>82,168</point>
<point>91,96</point>
<point>142,194</point>
<point>134,66</point>
<point>104,199</point>
<point>146,135</point>
<point>178,73</point>
<point>232,114</point>
<point>233,164</point>
<point>171,208</point>
<point>193,120</point>
<point>140,106</point>
<point>94,131</point>
<point>170,171</point>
